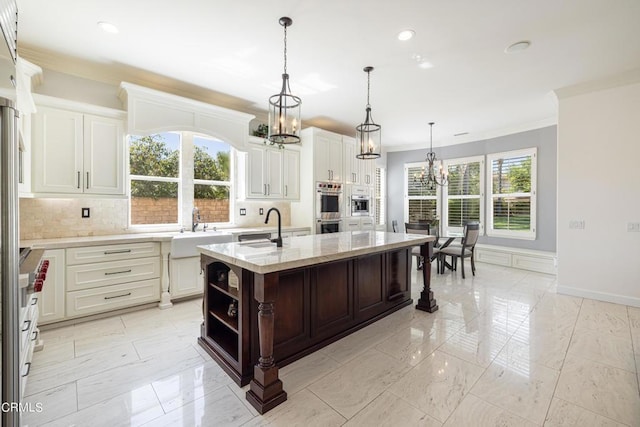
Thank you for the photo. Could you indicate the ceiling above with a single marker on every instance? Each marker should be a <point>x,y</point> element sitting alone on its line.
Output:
<point>231,53</point>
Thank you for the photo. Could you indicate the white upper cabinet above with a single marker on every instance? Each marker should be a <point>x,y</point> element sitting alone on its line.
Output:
<point>327,154</point>
<point>77,153</point>
<point>351,163</point>
<point>356,171</point>
<point>291,174</point>
<point>264,173</point>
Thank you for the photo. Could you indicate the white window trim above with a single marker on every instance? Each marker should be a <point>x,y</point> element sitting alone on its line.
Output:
<point>437,197</point>
<point>445,195</point>
<point>524,235</point>
<point>382,197</point>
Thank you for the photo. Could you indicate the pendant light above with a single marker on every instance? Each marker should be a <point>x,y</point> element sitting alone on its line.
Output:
<point>368,133</point>
<point>284,108</point>
<point>428,177</point>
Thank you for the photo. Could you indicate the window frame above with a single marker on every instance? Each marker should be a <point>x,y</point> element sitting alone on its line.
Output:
<point>445,229</point>
<point>512,234</point>
<point>407,198</point>
<point>185,180</point>
<point>380,197</point>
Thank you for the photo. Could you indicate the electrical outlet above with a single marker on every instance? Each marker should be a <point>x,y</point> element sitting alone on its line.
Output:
<point>86,212</point>
<point>261,211</point>
<point>576,224</point>
<point>243,211</point>
<point>633,226</point>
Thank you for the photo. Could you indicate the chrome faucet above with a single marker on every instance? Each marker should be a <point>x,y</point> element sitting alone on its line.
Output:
<point>278,240</point>
<point>195,218</point>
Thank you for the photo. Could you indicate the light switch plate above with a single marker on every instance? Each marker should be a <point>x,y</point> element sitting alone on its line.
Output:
<point>576,224</point>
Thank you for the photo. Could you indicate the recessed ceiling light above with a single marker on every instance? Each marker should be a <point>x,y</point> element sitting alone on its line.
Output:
<point>108,27</point>
<point>425,64</point>
<point>405,35</point>
<point>518,46</point>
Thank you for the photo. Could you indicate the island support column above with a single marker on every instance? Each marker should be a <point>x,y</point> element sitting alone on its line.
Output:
<point>426,302</point>
<point>265,390</point>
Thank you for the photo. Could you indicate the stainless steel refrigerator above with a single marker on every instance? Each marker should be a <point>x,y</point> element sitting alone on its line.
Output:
<point>9,227</point>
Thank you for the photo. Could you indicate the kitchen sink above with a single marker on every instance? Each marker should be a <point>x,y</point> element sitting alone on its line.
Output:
<point>260,244</point>
<point>185,244</point>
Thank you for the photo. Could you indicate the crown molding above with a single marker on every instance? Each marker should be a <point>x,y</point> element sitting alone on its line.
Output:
<point>623,79</point>
<point>114,74</point>
<point>480,136</point>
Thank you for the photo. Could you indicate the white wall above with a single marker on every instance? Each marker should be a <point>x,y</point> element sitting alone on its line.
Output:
<point>599,183</point>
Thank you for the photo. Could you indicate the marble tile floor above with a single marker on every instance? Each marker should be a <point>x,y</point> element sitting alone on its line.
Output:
<point>503,350</point>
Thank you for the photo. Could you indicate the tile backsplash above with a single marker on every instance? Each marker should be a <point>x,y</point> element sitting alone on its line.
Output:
<point>42,218</point>
<point>51,218</point>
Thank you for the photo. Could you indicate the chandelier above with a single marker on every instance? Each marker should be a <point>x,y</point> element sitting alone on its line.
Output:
<point>284,108</point>
<point>368,133</point>
<point>428,177</point>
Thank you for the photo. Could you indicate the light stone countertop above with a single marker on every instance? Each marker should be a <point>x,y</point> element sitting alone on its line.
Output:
<point>262,256</point>
<point>115,239</point>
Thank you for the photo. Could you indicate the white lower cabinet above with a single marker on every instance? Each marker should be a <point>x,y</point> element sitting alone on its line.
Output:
<point>108,277</point>
<point>51,298</point>
<point>366,223</point>
<point>107,298</point>
<point>358,224</point>
<point>185,277</point>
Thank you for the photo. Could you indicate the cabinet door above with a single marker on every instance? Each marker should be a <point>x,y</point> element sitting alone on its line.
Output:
<point>186,277</point>
<point>351,163</point>
<point>274,174</point>
<point>256,176</point>
<point>367,171</point>
<point>51,299</point>
<point>335,158</point>
<point>57,151</point>
<point>366,223</point>
<point>103,155</point>
<point>291,174</point>
<point>322,167</point>
<point>352,224</point>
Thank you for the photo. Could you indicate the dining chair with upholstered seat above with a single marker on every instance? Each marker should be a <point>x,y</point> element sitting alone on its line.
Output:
<point>465,250</point>
<point>423,228</point>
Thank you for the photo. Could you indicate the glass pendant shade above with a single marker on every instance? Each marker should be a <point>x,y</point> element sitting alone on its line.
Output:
<point>284,108</point>
<point>368,133</point>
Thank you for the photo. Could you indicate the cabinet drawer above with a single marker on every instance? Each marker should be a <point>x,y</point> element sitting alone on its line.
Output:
<point>87,276</point>
<point>90,301</point>
<point>102,253</point>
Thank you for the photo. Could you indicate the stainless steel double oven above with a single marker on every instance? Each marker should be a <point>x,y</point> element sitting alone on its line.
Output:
<point>328,207</point>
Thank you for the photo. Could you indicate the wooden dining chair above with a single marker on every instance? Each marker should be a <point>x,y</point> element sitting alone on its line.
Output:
<point>423,228</point>
<point>465,250</point>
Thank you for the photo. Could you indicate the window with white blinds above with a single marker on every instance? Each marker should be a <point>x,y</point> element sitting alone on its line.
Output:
<point>463,196</point>
<point>421,203</point>
<point>512,186</point>
<point>380,196</point>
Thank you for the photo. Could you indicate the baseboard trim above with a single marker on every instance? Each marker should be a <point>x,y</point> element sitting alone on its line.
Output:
<point>600,296</point>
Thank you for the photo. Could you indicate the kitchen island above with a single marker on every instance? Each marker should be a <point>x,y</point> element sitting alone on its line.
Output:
<point>265,307</point>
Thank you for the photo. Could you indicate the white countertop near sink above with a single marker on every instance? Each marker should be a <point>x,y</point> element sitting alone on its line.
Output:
<point>114,239</point>
<point>303,251</point>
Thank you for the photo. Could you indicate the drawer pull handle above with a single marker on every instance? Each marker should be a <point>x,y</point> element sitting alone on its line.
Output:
<point>27,324</point>
<point>117,272</point>
<point>35,301</point>
<point>119,296</point>
<point>28,365</point>
<point>122,251</point>
<point>35,335</point>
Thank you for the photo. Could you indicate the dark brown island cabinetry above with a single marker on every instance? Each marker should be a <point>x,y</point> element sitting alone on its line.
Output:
<point>267,307</point>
